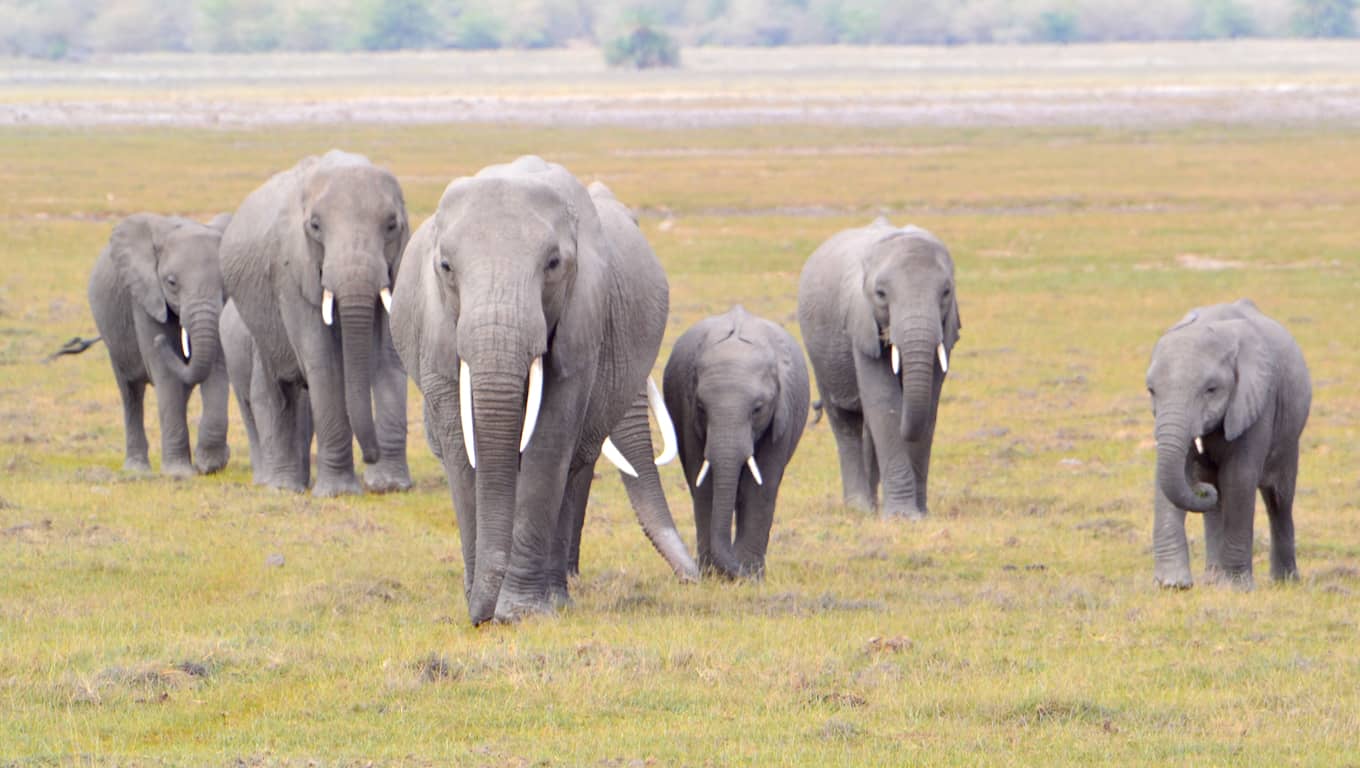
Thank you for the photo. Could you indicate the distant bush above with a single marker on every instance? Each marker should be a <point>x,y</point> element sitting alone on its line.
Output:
<point>392,25</point>
<point>1324,18</point>
<point>1055,26</point>
<point>643,48</point>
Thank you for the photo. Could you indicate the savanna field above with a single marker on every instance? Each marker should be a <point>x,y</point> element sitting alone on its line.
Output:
<point>148,621</point>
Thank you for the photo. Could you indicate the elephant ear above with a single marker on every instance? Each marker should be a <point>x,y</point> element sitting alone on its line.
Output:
<point>860,324</point>
<point>794,391</point>
<point>678,383</point>
<point>1255,372</point>
<point>952,323</point>
<point>135,247</point>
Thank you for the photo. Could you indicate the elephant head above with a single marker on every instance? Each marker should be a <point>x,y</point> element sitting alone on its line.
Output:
<point>353,220</point>
<point>1205,377</point>
<point>171,269</point>
<point>905,308</point>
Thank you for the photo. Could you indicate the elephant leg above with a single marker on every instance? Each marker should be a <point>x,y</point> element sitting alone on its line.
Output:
<point>538,507</point>
<point>1171,550</point>
<point>252,435</point>
<point>1279,498</point>
<point>391,472</point>
<point>300,406</point>
<point>848,428</point>
<point>212,453</point>
<point>1213,529</point>
<point>895,468</point>
<point>566,549</point>
<point>171,402</point>
<point>703,524</point>
<point>445,435</point>
<point>274,408</point>
<point>133,394</point>
<point>755,517</point>
<point>1237,502</point>
<point>330,421</point>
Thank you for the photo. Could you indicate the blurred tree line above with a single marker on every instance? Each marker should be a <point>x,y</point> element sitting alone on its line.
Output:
<point>73,28</point>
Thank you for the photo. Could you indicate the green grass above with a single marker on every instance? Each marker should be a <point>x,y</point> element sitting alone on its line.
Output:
<point>1018,624</point>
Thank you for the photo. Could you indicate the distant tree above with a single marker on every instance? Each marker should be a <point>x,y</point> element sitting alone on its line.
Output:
<point>644,47</point>
<point>1225,18</point>
<point>1324,18</point>
<point>477,29</point>
<point>1056,26</point>
<point>391,25</point>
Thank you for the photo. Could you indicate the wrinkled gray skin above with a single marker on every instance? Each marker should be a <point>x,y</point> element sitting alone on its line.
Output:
<point>158,276</point>
<point>1235,378</point>
<point>517,262</point>
<point>861,291</point>
<point>737,387</point>
<point>333,223</point>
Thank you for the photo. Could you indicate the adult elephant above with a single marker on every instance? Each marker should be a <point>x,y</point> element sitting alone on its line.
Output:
<point>1230,396</point>
<point>156,294</point>
<point>737,387</point>
<point>529,312</point>
<point>880,318</point>
<point>306,259</point>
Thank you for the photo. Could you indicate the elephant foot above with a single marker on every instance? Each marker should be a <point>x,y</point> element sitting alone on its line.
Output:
<point>1173,577</point>
<point>1284,573</point>
<point>1239,579</point>
<point>336,485</point>
<point>384,477</point>
<point>210,460</point>
<point>558,597</point>
<point>903,512</point>
<point>178,469</point>
<point>512,607</point>
<point>281,484</point>
<point>136,465</point>
<point>860,503</point>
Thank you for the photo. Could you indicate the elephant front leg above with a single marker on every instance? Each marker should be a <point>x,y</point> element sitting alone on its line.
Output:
<point>212,453</point>
<point>755,518</point>
<point>1237,503</point>
<point>852,444</point>
<point>275,408</point>
<point>566,547</point>
<point>1279,499</point>
<point>541,487</point>
<point>334,440</point>
<point>133,393</point>
<point>172,401</point>
<point>390,472</point>
<point>1170,549</point>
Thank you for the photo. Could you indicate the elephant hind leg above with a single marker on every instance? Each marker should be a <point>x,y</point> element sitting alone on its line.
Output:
<point>133,394</point>
<point>1279,498</point>
<point>858,476</point>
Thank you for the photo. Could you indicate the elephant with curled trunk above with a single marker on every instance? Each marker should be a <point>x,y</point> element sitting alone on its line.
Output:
<point>309,260</point>
<point>1230,396</point>
<point>880,318</point>
<point>737,388</point>
<point>529,312</point>
<point>156,294</point>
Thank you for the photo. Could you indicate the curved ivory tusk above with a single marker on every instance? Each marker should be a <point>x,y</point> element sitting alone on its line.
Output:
<point>465,410</point>
<point>896,360</point>
<point>1199,445</point>
<point>755,471</point>
<point>944,357</point>
<point>184,342</point>
<point>531,405</point>
<point>669,444</point>
<point>703,472</point>
<point>612,453</point>
<point>386,296</point>
<point>327,307</point>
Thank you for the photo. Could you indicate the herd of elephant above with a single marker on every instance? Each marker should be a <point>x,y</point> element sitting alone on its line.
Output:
<point>529,311</point>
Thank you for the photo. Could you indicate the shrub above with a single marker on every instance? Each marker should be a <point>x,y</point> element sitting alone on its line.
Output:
<point>643,48</point>
<point>1324,18</point>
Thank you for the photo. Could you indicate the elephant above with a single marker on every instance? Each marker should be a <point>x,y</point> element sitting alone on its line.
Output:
<point>309,260</point>
<point>737,387</point>
<point>529,312</point>
<point>880,317</point>
<point>1230,397</point>
<point>156,293</point>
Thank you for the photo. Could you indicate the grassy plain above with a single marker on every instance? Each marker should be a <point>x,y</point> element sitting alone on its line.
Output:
<point>141,621</point>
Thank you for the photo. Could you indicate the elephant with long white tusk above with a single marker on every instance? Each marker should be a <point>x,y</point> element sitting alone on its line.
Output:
<point>529,311</point>
<point>738,389</point>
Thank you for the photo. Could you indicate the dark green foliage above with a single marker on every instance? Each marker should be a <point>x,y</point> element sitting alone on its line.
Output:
<point>476,30</point>
<point>1324,18</point>
<point>645,47</point>
<point>1055,26</point>
<point>1225,19</point>
<point>392,25</point>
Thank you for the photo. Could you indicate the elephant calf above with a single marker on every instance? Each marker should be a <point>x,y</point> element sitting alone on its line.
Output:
<point>880,319</point>
<point>738,389</point>
<point>1230,396</point>
<point>156,294</point>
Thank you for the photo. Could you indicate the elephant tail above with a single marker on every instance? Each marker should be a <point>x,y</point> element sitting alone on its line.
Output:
<point>816,411</point>
<point>73,347</point>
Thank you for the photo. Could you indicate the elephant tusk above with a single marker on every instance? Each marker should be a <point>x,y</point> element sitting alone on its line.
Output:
<point>755,471</point>
<point>184,342</point>
<point>944,358</point>
<point>1199,445</point>
<point>531,405</point>
<point>669,443</point>
<point>386,296</point>
<point>896,360</point>
<point>616,458</point>
<point>703,472</point>
<point>465,410</point>
<point>327,307</point>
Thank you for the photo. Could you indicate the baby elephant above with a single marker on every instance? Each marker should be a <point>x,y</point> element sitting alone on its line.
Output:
<point>737,387</point>
<point>156,293</point>
<point>1230,395</point>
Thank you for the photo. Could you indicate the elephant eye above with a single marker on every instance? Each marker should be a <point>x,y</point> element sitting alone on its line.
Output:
<point>1152,392</point>
<point>1211,390</point>
<point>314,223</point>
<point>881,294</point>
<point>392,225</point>
<point>171,281</point>
<point>444,265</point>
<point>554,263</point>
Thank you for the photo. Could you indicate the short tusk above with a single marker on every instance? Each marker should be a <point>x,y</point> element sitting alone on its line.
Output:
<point>465,410</point>
<point>533,402</point>
<point>612,453</point>
<point>327,307</point>
<point>669,443</point>
<point>1199,445</point>
<point>703,472</point>
<point>755,471</point>
<point>896,360</point>
<point>184,342</point>
<point>944,358</point>
<point>386,296</point>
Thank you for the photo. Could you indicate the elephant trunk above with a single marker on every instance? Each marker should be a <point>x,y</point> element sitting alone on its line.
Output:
<point>356,334</point>
<point>633,437</point>
<point>199,326</point>
<point>497,417</point>
<point>917,341</point>
<point>727,454</point>
<point>1173,447</point>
